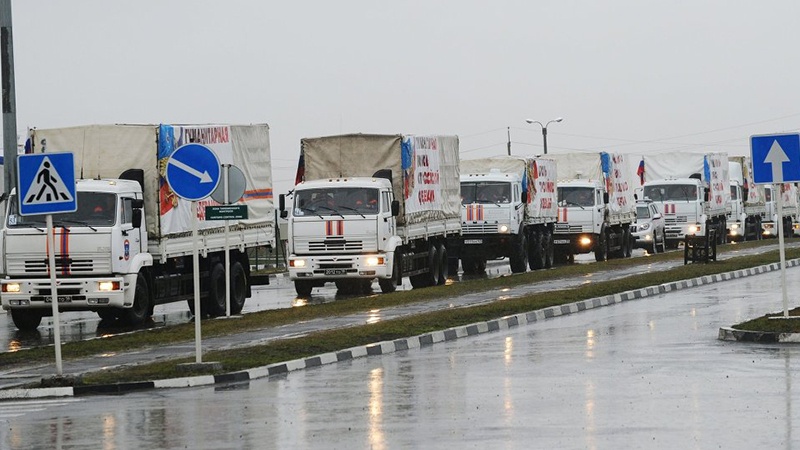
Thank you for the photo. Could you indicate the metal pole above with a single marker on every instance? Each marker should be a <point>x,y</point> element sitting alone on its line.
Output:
<point>544,138</point>
<point>225,169</point>
<point>9,97</point>
<point>196,269</point>
<point>509,142</point>
<point>777,189</point>
<point>51,259</point>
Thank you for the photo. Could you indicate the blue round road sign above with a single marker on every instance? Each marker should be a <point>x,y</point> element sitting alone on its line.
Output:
<point>193,171</point>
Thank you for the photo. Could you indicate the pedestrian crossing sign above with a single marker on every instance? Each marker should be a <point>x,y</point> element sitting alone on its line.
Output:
<point>46,183</point>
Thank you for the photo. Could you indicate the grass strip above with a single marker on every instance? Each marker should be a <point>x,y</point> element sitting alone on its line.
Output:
<point>334,340</point>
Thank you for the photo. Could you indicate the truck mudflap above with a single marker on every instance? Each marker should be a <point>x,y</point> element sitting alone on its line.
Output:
<point>73,293</point>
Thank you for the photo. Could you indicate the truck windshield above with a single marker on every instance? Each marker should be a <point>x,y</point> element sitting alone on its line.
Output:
<point>575,196</point>
<point>671,192</point>
<point>336,201</point>
<point>485,192</point>
<point>95,209</point>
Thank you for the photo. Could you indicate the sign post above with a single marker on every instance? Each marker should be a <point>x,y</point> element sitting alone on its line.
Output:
<point>233,185</point>
<point>193,172</point>
<point>776,160</point>
<point>46,185</point>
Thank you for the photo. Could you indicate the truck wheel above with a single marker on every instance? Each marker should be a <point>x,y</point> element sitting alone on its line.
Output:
<point>137,314</point>
<point>628,244</point>
<point>390,285</point>
<point>536,252</point>
<point>215,304</point>
<point>601,247</point>
<point>434,269</point>
<point>303,288</point>
<point>238,288</point>
<point>26,319</point>
<point>444,267</point>
<point>549,250</point>
<point>518,259</point>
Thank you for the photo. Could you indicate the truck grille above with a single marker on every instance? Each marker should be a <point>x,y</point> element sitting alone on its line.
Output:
<point>335,245</point>
<point>564,228</point>
<point>676,220</point>
<point>477,228</point>
<point>19,265</point>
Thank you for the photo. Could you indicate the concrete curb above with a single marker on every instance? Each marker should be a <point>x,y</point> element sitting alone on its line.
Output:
<point>730,334</point>
<point>387,347</point>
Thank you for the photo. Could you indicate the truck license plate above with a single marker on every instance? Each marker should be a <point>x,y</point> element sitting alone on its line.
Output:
<point>334,272</point>
<point>561,241</point>
<point>61,299</point>
<point>473,241</point>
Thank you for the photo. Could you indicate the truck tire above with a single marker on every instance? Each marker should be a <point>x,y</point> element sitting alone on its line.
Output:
<point>536,252</point>
<point>138,313</point>
<point>628,243</point>
<point>389,285</point>
<point>518,259</point>
<point>216,303</point>
<point>434,269</point>
<point>549,250</point>
<point>303,288</point>
<point>444,267</point>
<point>601,246</point>
<point>26,319</point>
<point>238,288</point>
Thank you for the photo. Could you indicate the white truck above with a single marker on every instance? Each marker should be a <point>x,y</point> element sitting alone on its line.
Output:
<point>596,205</point>
<point>788,193</point>
<point>509,210</point>
<point>693,192</point>
<point>373,207</point>
<point>748,201</point>
<point>129,245</point>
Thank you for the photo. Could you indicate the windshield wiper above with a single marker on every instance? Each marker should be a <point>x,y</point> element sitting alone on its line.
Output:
<point>77,222</point>
<point>353,209</point>
<point>312,211</point>
<point>569,203</point>
<point>331,209</point>
<point>27,225</point>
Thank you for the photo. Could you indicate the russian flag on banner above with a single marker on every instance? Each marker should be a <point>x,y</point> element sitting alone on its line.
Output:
<point>301,169</point>
<point>640,172</point>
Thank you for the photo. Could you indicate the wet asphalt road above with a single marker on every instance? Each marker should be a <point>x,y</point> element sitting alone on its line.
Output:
<point>646,373</point>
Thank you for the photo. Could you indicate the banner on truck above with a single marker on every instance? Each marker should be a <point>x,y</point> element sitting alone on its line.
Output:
<point>421,183</point>
<point>540,184</point>
<point>618,184</point>
<point>715,174</point>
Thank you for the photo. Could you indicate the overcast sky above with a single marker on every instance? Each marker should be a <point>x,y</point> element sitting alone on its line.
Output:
<point>631,76</point>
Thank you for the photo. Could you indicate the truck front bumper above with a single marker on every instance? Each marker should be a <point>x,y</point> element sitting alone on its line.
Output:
<point>340,267</point>
<point>73,293</point>
<point>577,243</point>
<point>490,246</point>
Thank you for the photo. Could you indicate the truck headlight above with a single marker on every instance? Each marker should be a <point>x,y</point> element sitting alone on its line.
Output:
<point>297,263</point>
<point>503,228</point>
<point>735,226</point>
<point>11,287</point>
<point>373,261</point>
<point>693,229</point>
<point>585,241</point>
<point>107,286</point>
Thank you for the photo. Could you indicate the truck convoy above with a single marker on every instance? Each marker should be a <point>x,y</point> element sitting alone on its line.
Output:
<point>129,245</point>
<point>509,210</point>
<point>373,206</point>
<point>748,206</point>
<point>693,192</point>
<point>596,205</point>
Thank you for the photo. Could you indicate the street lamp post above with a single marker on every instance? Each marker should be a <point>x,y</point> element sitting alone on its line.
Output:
<point>544,129</point>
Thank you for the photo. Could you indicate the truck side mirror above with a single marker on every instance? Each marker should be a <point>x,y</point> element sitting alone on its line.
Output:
<point>524,197</point>
<point>706,192</point>
<point>136,217</point>
<point>395,208</point>
<point>282,206</point>
<point>605,197</point>
<point>137,203</point>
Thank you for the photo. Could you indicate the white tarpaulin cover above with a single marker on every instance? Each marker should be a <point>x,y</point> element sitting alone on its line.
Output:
<point>425,171</point>
<point>611,170</point>
<point>712,167</point>
<point>105,151</point>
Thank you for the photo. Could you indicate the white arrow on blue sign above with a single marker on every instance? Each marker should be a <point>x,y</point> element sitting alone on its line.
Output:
<point>193,171</point>
<point>776,158</point>
<point>46,183</point>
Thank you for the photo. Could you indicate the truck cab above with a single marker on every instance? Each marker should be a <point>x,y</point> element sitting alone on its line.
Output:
<point>342,230</point>
<point>492,220</point>
<point>682,201</point>
<point>100,249</point>
<point>737,217</point>
<point>581,217</point>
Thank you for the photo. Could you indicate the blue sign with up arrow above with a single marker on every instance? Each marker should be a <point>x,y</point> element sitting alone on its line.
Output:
<point>193,171</point>
<point>776,158</point>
